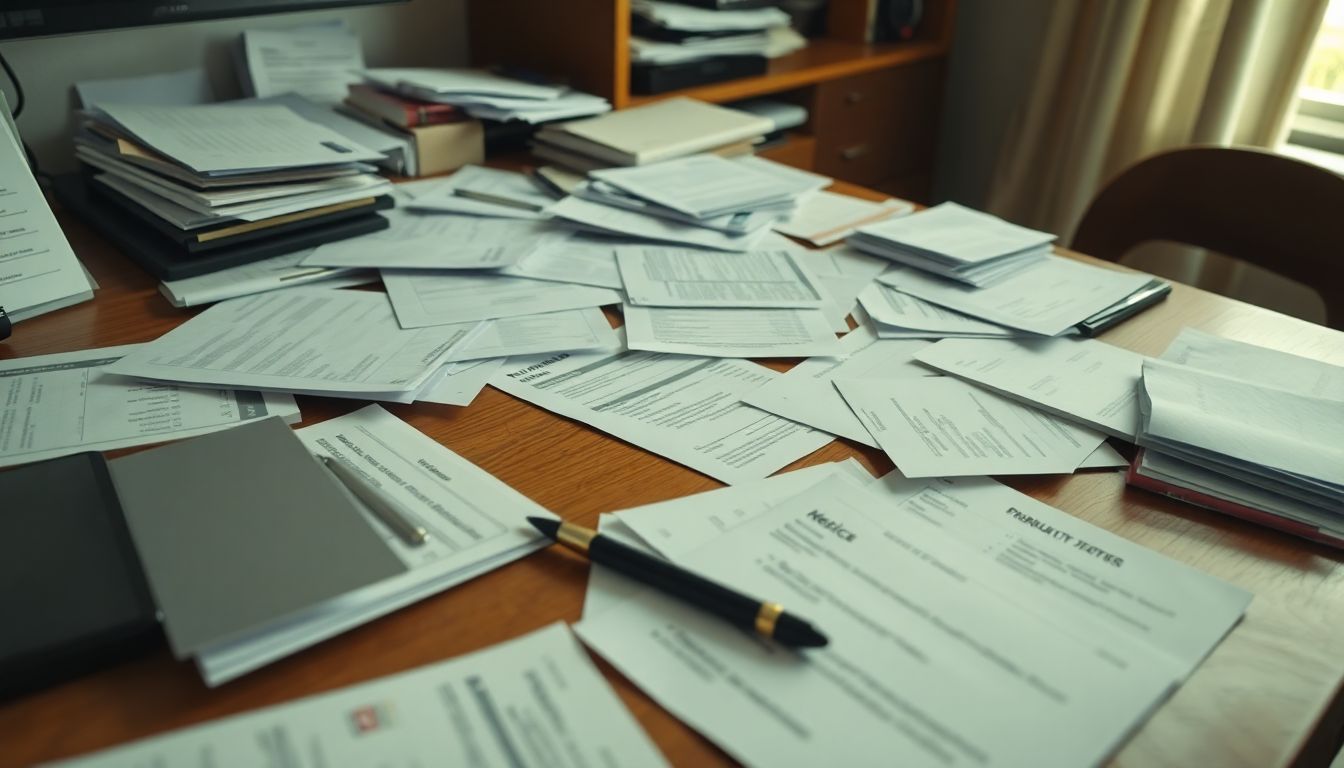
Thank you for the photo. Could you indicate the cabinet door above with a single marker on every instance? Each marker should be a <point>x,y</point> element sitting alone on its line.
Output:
<point>876,126</point>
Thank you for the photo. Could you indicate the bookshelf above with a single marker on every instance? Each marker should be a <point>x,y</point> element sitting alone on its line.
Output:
<point>873,107</point>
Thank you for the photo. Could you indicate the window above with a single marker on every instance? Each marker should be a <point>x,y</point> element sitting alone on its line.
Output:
<point>1317,131</point>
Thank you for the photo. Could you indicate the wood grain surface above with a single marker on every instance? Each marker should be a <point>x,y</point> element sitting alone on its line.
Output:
<point>1268,695</point>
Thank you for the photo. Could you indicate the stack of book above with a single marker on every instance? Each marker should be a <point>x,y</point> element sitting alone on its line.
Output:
<point>675,46</point>
<point>442,137</point>
<point>190,190</point>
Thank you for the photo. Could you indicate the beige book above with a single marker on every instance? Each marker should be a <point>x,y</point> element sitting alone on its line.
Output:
<point>447,147</point>
<point>658,131</point>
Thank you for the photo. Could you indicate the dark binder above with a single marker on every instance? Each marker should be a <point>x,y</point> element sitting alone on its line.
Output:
<point>74,597</point>
<point>660,78</point>
<point>168,260</point>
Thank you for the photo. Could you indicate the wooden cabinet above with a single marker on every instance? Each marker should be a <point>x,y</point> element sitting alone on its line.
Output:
<point>873,107</point>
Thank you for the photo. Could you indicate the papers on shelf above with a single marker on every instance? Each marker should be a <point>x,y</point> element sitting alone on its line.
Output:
<point>731,332</point>
<point>686,409</point>
<point>444,713</point>
<point>272,274</point>
<point>900,316</point>
<point>476,523</point>
<point>619,221</point>
<point>826,217</point>
<point>806,393</point>
<point>681,277</point>
<point>567,331</point>
<point>484,191</point>
<point>1048,298</point>
<point>423,299</point>
<point>488,96</point>
<point>689,19</point>
<point>1083,380</point>
<point>318,61</point>
<point>943,427</point>
<point>931,658</point>
<point>462,382</point>
<point>303,340</point>
<point>56,405</point>
<point>39,270</point>
<point>422,240</point>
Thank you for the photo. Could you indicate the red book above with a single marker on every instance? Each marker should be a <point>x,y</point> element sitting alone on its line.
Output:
<point>400,110</point>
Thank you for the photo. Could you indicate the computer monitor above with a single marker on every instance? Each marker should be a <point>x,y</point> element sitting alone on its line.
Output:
<point>37,18</point>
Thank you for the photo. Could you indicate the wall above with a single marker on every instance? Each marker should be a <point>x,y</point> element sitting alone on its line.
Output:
<point>420,33</point>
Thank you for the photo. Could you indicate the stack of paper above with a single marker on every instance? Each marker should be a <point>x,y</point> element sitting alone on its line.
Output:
<point>669,33</point>
<point>317,61</point>
<point>1246,431</point>
<point>955,242</point>
<point>487,96</point>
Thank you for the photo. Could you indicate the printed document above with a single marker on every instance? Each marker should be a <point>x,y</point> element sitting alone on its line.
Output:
<point>462,382</point>
<point>533,701</point>
<point>1083,380</point>
<point>612,220</point>
<point>731,332</point>
<point>683,277</point>
<point>476,523</point>
<point>1258,365</point>
<point>318,61</point>
<point>916,318</point>
<point>572,257</point>
<point>806,393</point>
<point>687,409</point>
<point>1048,298</point>
<point>481,191</point>
<point>271,274</point>
<point>303,340</point>
<point>418,240</point>
<point>422,299</point>
<point>825,217</point>
<point>573,329</point>
<point>943,427</point>
<point>706,185</point>
<point>928,663</point>
<point>56,405</point>
<point>38,270</point>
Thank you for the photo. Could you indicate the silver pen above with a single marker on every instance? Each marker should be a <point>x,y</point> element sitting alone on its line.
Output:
<point>385,507</point>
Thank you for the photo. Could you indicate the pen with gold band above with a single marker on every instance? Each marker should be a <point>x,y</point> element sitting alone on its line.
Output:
<point>764,618</point>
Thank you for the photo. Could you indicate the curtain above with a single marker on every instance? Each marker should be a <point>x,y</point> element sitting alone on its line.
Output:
<point>1118,80</point>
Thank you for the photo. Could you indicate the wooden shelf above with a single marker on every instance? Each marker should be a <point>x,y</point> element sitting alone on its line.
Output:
<point>823,59</point>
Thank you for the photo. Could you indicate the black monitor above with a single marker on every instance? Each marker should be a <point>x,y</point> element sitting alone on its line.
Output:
<point>36,18</point>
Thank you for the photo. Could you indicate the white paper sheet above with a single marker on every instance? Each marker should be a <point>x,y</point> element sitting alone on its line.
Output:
<point>827,217</point>
<point>56,405</point>
<point>1258,365</point>
<point>685,277</point>
<point>619,221</point>
<point>476,523</point>
<point>927,660</point>
<point>419,240</point>
<point>259,277</point>
<point>943,427</point>
<point>686,409</point>
<point>462,382</point>
<point>704,186</point>
<point>189,86</point>
<point>492,182</point>
<point>890,307</point>
<point>957,234</point>
<point>424,299</point>
<point>567,331</point>
<point>1048,298</point>
<point>306,340</point>
<point>572,257</point>
<point>806,393</point>
<point>317,61</point>
<point>731,332</point>
<point>445,713</point>
<point>1083,380</point>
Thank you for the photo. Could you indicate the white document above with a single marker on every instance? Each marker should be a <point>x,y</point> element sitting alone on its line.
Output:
<point>38,270</point>
<point>687,409</point>
<point>567,331</point>
<point>1258,365</point>
<point>573,257</point>
<point>56,405</point>
<point>943,427</point>
<point>807,394</point>
<point>1048,298</point>
<point>1104,457</point>
<point>921,319</point>
<point>704,186</point>
<point>420,240</point>
<point>189,86</point>
<point>485,191</point>
<point>619,221</point>
<point>423,299</point>
<point>461,382</point>
<point>685,277</point>
<point>272,274</point>
<point>227,137</point>
<point>827,217</point>
<point>1083,380</point>
<point>536,700</point>
<point>928,663</point>
<point>318,61</point>
<point>303,340</point>
<point>469,82</point>
<point>476,523</point>
<point>690,19</point>
<point>1136,591</point>
<point>731,332</point>
<point>957,234</point>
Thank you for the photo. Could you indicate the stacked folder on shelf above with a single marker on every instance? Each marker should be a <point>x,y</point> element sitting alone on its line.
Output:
<point>675,46</point>
<point>190,190</point>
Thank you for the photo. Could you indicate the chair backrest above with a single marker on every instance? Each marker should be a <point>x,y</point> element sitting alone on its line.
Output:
<point>1278,213</point>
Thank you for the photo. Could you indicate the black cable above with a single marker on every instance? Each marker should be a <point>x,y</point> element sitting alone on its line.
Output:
<point>18,87</point>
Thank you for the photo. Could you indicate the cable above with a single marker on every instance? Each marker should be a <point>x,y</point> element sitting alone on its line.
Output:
<point>19,99</point>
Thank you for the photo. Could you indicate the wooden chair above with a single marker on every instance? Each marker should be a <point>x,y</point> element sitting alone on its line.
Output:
<point>1278,213</point>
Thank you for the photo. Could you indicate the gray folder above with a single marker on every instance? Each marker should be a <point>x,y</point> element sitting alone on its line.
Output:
<point>242,528</point>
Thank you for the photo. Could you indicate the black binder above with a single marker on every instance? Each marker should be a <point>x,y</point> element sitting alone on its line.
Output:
<point>75,597</point>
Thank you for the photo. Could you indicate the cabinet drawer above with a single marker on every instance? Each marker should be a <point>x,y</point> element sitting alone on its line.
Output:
<point>877,125</point>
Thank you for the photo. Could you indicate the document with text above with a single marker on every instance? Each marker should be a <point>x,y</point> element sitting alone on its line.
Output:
<point>916,318</point>
<point>272,274</point>
<point>482,191</point>
<point>418,240</point>
<point>567,331</point>
<point>619,221</point>
<point>731,332</point>
<point>462,382</point>
<point>684,277</point>
<point>1267,367</point>
<point>572,257</point>
<point>424,300</point>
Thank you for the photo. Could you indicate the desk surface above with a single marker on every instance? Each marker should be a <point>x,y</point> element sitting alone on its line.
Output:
<point>1270,694</point>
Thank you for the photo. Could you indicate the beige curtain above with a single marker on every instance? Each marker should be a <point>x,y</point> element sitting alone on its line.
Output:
<point>1119,80</point>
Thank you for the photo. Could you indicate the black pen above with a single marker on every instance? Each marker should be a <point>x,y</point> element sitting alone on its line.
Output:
<point>766,619</point>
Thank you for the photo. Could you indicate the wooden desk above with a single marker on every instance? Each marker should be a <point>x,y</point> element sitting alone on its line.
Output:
<point>1270,694</point>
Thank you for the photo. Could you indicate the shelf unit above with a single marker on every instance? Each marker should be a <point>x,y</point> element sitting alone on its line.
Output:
<point>873,107</point>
